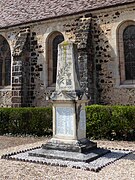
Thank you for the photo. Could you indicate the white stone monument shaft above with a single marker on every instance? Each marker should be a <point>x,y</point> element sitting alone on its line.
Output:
<point>69,118</point>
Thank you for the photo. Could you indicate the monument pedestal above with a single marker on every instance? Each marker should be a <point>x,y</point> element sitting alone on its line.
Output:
<point>69,127</point>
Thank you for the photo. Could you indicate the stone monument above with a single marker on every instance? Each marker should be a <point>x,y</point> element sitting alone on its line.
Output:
<point>69,118</point>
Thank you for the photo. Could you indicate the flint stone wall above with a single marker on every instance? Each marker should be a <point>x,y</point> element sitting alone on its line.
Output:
<point>108,89</point>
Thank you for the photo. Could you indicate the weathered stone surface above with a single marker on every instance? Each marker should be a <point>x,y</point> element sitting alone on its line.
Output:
<point>5,98</point>
<point>68,72</point>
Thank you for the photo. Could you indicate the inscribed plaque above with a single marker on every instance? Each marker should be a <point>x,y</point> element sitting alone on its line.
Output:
<point>64,121</point>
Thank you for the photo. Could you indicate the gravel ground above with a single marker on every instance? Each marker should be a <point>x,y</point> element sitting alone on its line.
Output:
<point>123,169</point>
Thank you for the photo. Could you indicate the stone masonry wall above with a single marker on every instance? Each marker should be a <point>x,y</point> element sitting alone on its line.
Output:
<point>95,36</point>
<point>26,77</point>
<point>25,69</point>
<point>108,89</point>
<point>29,58</point>
<point>21,69</point>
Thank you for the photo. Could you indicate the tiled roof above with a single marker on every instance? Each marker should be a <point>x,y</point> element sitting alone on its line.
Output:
<point>13,12</point>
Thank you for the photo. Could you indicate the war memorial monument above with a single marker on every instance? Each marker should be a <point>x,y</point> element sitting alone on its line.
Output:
<point>69,118</point>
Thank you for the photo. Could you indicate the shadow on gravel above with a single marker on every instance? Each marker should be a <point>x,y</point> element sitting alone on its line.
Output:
<point>130,156</point>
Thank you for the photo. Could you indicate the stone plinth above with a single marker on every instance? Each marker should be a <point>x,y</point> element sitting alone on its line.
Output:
<point>70,156</point>
<point>82,146</point>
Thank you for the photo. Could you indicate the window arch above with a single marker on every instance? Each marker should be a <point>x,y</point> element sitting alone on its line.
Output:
<point>129,52</point>
<point>52,53</point>
<point>126,45</point>
<point>5,62</point>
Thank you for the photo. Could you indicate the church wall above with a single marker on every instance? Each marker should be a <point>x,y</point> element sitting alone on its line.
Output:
<point>108,89</point>
<point>98,58</point>
<point>28,45</point>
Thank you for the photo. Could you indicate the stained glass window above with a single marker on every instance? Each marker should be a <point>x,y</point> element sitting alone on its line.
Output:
<point>129,52</point>
<point>5,62</point>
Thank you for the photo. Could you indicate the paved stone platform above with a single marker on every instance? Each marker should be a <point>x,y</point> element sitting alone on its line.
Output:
<point>95,165</point>
<point>70,156</point>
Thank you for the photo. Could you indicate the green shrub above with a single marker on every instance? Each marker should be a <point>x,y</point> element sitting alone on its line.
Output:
<point>111,122</point>
<point>44,123</point>
<point>36,121</point>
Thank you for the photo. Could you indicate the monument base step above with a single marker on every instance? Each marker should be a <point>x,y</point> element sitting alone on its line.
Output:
<point>83,145</point>
<point>69,156</point>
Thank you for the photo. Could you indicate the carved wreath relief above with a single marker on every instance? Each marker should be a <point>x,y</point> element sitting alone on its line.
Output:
<point>62,73</point>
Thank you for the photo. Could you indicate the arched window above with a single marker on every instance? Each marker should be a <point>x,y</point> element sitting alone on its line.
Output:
<point>52,50</point>
<point>126,43</point>
<point>5,62</point>
<point>129,52</point>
